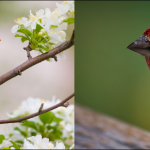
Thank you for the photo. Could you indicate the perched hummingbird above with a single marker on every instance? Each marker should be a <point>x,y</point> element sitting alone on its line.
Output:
<point>142,46</point>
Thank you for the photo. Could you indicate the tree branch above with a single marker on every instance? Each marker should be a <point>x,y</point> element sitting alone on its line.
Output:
<point>33,61</point>
<point>28,49</point>
<point>40,111</point>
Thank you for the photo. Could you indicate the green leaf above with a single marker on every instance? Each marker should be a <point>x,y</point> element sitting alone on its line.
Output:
<point>21,132</point>
<point>46,49</point>
<point>56,134</point>
<point>40,51</point>
<point>35,43</point>
<point>57,119</point>
<point>69,20</point>
<point>6,148</point>
<point>15,145</point>
<point>67,146</point>
<point>30,124</point>
<point>33,134</point>
<point>54,26</point>
<point>25,31</point>
<point>17,35</point>
<point>40,43</point>
<point>41,129</point>
<point>19,142</point>
<point>23,39</point>
<point>47,117</point>
<point>48,59</point>
<point>2,138</point>
<point>38,28</point>
<point>22,27</point>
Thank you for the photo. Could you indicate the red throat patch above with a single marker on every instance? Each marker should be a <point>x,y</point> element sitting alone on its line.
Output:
<point>148,61</point>
<point>147,32</point>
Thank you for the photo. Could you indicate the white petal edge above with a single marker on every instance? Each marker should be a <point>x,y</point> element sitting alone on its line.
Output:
<point>14,29</point>
<point>62,55</point>
<point>33,25</point>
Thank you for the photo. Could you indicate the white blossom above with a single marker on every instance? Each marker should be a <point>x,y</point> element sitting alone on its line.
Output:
<point>32,105</point>
<point>51,21</point>
<point>37,142</point>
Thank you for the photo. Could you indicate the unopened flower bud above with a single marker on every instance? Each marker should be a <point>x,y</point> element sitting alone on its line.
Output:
<point>40,33</point>
<point>43,31</point>
<point>62,124</point>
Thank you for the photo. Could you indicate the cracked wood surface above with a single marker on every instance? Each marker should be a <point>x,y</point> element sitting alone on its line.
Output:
<point>97,131</point>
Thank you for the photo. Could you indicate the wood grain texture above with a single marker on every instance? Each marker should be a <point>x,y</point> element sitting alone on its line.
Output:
<point>97,131</point>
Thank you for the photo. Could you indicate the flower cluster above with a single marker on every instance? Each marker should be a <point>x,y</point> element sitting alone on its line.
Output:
<point>55,125</point>
<point>36,142</point>
<point>46,29</point>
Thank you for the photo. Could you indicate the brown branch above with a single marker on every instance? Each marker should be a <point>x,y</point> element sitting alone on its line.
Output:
<point>40,109</point>
<point>55,58</point>
<point>28,49</point>
<point>66,104</point>
<point>37,113</point>
<point>33,61</point>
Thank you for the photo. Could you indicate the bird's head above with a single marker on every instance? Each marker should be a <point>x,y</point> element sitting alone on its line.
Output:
<point>142,46</point>
<point>147,32</point>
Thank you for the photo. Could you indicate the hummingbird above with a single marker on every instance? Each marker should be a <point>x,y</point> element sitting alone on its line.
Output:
<point>142,46</point>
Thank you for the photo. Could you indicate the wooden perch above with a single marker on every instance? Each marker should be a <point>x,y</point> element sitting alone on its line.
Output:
<point>97,131</point>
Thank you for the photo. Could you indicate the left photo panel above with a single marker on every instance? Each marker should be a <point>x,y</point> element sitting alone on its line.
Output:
<point>37,74</point>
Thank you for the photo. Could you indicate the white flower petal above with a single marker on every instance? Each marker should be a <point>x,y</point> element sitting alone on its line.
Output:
<point>24,20</point>
<point>12,115</point>
<point>60,145</point>
<point>44,143</point>
<point>14,28</point>
<point>33,25</point>
<point>40,12</point>
<point>47,12</point>
<point>27,23</point>
<point>62,34</point>
<point>28,145</point>
<point>68,127</point>
<point>32,139</point>
<point>63,8</point>
<point>56,38</point>
<point>72,135</point>
<point>62,55</point>
<point>63,26</point>
<point>61,19</point>
<point>47,26</point>
<point>72,146</point>
<point>50,145</point>
<point>71,4</point>
<point>30,12</point>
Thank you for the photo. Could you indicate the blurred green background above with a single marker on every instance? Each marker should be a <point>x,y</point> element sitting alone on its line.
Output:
<point>109,78</point>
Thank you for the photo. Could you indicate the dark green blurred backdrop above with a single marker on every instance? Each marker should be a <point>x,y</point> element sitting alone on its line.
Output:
<point>109,78</point>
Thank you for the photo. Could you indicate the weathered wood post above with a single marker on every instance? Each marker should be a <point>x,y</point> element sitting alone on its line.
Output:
<point>97,131</point>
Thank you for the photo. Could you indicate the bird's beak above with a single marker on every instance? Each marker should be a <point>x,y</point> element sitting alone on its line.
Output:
<point>141,46</point>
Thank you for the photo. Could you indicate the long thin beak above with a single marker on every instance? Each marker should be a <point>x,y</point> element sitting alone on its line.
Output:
<point>141,46</point>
